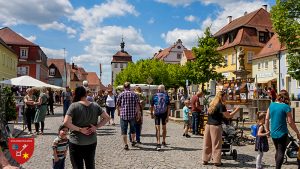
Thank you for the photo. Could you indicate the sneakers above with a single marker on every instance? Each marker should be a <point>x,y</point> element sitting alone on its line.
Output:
<point>164,144</point>
<point>183,134</point>
<point>158,147</point>
<point>187,136</point>
<point>126,147</point>
<point>133,144</point>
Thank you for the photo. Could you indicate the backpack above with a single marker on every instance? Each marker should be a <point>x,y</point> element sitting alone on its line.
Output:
<point>160,106</point>
<point>254,130</point>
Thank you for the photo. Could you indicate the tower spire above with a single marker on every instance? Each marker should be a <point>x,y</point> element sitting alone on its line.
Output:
<point>122,44</point>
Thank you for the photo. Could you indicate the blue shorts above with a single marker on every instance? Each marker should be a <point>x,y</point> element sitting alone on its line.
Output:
<point>124,126</point>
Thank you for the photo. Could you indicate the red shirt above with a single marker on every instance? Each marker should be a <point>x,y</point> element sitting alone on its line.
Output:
<point>195,104</point>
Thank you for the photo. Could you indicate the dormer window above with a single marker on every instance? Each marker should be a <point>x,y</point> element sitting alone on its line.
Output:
<point>23,52</point>
<point>231,37</point>
<point>52,72</point>
<point>262,37</point>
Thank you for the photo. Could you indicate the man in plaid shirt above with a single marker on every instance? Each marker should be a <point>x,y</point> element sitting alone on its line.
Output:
<point>128,110</point>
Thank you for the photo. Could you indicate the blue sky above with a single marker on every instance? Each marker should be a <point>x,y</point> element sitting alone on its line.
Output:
<point>91,30</point>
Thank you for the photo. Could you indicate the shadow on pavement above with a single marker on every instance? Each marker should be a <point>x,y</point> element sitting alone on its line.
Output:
<point>150,135</point>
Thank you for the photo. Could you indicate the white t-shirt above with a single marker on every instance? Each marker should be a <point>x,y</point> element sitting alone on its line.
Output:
<point>110,101</point>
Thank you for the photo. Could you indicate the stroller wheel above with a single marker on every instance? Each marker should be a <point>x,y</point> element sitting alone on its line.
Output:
<point>234,154</point>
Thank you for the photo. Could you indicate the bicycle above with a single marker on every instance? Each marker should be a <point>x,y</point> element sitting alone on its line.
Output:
<point>241,138</point>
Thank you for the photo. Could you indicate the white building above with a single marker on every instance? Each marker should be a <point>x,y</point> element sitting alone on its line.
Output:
<point>119,62</point>
<point>172,54</point>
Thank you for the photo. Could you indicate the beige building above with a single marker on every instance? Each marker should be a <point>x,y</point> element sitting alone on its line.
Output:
<point>8,62</point>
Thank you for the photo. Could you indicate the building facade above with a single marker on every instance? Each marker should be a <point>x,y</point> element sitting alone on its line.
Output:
<point>32,61</point>
<point>265,65</point>
<point>119,62</point>
<point>173,54</point>
<point>58,72</point>
<point>8,62</point>
<point>285,80</point>
<point>247,34</point>
<point>187,55</point>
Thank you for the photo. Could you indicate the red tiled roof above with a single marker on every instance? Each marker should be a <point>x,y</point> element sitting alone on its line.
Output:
<point>259,19</point>
<point>271,48</point>
<point>93,79</point>
<point>122,57</point>
<point>10,37</point>
<point>189,54</point>
<point>59,63</point>
<point>82,71</point>
<point>163,53</point>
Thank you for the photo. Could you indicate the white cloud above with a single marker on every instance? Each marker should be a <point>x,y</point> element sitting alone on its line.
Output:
<point>55,53</point>
<point>177,2</point>
<point>105,41</point>
<point>188,37</point>
<point>36,12</point>
<point>229,9</point>
<point>59,26</point>
<point>94,16</point>
<point>190,18</point>
<point>151,21</point>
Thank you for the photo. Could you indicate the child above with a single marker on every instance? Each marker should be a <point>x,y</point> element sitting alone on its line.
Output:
<point>186,112</point>
<point>261,144</point>
<point>60,147</point>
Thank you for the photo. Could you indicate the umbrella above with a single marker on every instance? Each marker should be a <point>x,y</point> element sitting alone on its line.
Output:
<point>29,81</point>
<point>24,81</point>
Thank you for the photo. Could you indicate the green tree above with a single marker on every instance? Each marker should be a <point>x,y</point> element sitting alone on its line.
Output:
<point>285,17</point>
<point>203,68</point>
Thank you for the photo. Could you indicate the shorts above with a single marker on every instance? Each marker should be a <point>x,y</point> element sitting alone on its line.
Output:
<point>186,122</point>
<point>124,126</point>
<point>161,118</point>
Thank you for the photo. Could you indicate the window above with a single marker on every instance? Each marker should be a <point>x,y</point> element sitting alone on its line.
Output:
<point>250,56</point>
<point>178,47</point>
<point>231,37</point>
<point>262,37</point>
<point>298,83</point>
<point>266,65</point>
<point>23,70</point>
<point>258,66</point>
<point>121,65</point>
<point>274,64</point>
<point>233,59</point>
<point>125,64</point>
<point>23,53</point>
<point>226,60</point>
<point>178,55</point>
<point>52,72</point>
<point>116,65</point>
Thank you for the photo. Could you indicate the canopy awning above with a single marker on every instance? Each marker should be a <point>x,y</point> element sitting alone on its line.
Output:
<point>28,81</point>
<point>266,80</point>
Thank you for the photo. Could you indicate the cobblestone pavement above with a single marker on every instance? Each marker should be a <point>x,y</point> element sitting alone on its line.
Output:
<point>180,152</point>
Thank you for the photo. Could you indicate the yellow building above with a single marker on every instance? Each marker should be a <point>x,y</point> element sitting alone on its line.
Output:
<point>8,62</point>
<point>247,34</point>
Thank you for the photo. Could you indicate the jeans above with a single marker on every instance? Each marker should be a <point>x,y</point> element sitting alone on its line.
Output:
<point>82,153</point>
<point>66,106</point>
<point>138,129</point>
<point>280,146</point>
<point>60,164</point>
<point>29,114</point>
<point>195,122</point>
<point>259,159</point>
<point>111,111</point>
<point>124,126</point>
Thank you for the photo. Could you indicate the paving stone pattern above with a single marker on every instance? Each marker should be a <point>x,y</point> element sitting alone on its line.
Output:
<point>180,152</point>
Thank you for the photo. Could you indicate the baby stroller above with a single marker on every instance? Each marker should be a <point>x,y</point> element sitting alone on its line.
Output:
<point>291,149</point>
<point>228,136</point>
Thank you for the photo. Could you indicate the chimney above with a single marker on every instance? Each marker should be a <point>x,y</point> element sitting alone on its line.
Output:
<point>100,70</point>
<point>73,66</point>
<point>265,7</point>
<point>229,19</point>
<point>245,13</point>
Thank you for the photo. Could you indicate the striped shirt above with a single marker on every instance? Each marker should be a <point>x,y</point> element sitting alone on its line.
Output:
<point>60,146</point>
<point>128,101</point>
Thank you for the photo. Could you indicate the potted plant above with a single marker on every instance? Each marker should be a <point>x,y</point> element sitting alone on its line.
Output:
<point>9,104</point>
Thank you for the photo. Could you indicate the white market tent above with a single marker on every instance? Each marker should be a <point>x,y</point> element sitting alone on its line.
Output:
<point>28,81</point>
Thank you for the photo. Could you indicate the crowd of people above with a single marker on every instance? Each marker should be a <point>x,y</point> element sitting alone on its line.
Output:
<point>84,113</point>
